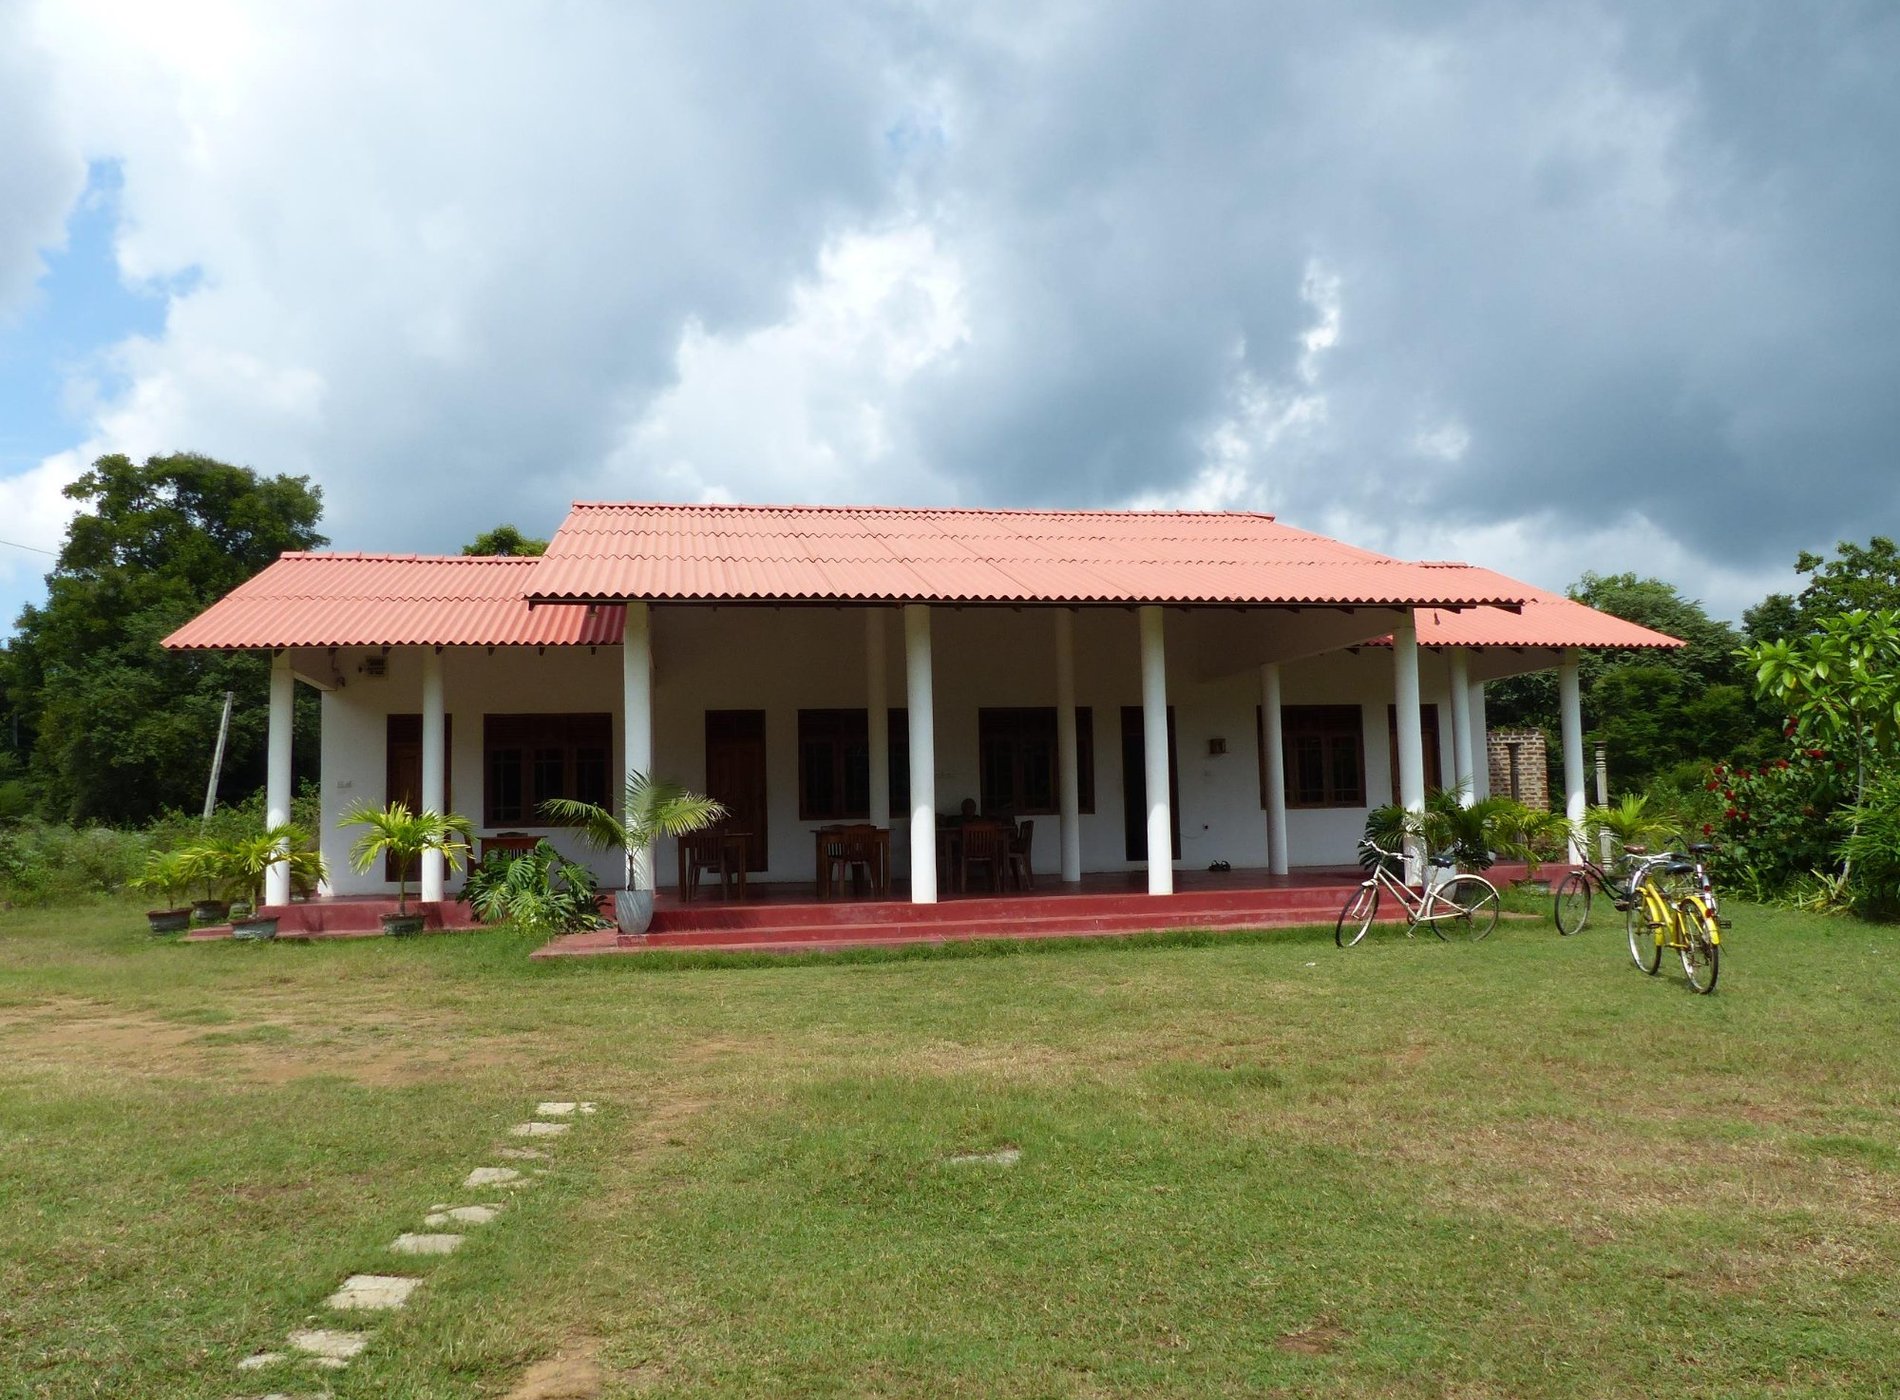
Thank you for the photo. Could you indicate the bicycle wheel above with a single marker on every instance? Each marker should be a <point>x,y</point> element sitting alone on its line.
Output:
<point>1572,904</point>
<point>1646,921</point>
<point>1701,946</point>
<point>1473,912</point>
<point>1362,907</point>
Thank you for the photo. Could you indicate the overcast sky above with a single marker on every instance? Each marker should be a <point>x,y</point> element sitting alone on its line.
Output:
<point>1544,287</point>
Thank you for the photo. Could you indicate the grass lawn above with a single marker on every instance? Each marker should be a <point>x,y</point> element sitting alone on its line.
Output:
<point>1256,1165</point>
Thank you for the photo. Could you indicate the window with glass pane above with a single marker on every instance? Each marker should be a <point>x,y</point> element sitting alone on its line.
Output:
<point>834,764</point>
<point>1017,760</point>
<point>1325,755</point>
<point>531,758</point>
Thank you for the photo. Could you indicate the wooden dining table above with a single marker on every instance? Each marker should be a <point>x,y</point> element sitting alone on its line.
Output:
<point>722,850</point>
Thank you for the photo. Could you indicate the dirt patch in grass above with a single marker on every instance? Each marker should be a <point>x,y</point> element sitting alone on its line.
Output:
<point>1323,1338</point>
<point>573,1373</point>
<point>65,1035</point>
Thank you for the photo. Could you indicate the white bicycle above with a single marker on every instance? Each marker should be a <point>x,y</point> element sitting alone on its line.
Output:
<point>1455,906</point>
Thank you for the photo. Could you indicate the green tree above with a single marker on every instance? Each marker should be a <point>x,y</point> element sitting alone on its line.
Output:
<point>1859,578</point>
<point>505,539</point>
<point>118,728</point>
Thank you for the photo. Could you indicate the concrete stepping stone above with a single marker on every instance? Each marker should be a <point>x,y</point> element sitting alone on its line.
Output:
<point>439,1216</point>
<point>372,1293</point>
<point>257,1361</point>
<point>493,1176</point>
<point>326,1347</point>
<point>559,1109</point>
<point>425,1244</point>
<point>536,1128</point>
<point>1002,1157</point>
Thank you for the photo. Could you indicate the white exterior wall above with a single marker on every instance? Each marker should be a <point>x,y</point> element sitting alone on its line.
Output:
<point>782,660</point>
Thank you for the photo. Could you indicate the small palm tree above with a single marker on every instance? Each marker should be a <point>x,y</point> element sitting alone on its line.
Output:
<point>1629,823</point>
<point>651,809</point>
<point>250,859</point>
<point>405,836</point>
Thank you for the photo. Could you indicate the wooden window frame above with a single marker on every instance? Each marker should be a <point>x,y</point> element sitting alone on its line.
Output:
<point>834,730</point>
<point>1331,724</point>
<point>572,735</point>
<point>993,724</point>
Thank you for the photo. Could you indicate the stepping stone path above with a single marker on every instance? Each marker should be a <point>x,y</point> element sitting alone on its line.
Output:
<point>334,1350</point>
<point>425,1244</point>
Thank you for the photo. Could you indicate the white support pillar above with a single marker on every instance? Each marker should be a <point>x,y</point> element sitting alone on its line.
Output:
<point>283,708</point>
<point>1480,743</point>
<point>434,776</point>
<point>923,754</point>
<point>1273,742</point>
<point>1154,735</point>
<point>877,715</point>
<point>1405,702</point>
<point>636,698</point>
<point>1463,765</point>
<point>1068,754</point>
<point>1570,715</point>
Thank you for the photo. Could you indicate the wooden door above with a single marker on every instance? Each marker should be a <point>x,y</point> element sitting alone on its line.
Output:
<point>402,768</point>
<point>735,775</point>
<point>1428,731</point>
<point>1135,785</point>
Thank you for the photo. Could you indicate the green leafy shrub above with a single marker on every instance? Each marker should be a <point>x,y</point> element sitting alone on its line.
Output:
<point>45,863</point>
<point>539,889</point>
<point>1871,849</point>
<point>1778,823</point>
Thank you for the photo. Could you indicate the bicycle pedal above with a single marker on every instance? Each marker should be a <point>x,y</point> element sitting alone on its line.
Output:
<point>1622,906</point>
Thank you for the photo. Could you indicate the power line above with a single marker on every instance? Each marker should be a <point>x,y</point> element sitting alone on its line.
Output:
<point>11,544</point>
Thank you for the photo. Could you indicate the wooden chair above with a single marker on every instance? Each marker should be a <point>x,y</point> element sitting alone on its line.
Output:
<point>985,845</point>
<point>701,851</point>
<point>1021,874</point>
<point>862,859</point>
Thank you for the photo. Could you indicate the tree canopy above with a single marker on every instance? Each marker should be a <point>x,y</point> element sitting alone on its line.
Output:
<point>505,540</point>
<point>120,729</point>
<point>1859,578</point>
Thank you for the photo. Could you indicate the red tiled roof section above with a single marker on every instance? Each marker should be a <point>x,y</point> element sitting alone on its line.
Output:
<point>323,600</point>
<point>1547,620</point>
<point>617,550</point>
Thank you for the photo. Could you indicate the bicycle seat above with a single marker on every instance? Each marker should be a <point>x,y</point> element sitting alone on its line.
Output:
<point>1443,862</point>
<point>1680,867</point>
<point>1636,850</point>
<point>1701,848</point>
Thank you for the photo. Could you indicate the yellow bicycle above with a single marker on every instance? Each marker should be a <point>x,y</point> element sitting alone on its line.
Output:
<point>1687,923</point>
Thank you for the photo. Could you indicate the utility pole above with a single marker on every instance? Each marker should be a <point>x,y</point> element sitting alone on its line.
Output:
<point>217,756</point>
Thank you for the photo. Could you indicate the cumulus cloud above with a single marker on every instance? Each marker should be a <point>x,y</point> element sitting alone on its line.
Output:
<point>1606,285</point>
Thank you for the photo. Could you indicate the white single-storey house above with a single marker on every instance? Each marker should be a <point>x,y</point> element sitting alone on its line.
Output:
<point>1165,689</point>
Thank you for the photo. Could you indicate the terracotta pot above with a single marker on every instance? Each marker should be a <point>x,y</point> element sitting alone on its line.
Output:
<point>169,920</point>
<point>633,910</point>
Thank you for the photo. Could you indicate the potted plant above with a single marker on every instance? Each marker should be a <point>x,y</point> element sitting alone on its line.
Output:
<point>652,809</point>
<point>404,837</point>
<point>206,865</point>
<point>165,878</point>
<point>250,859</point>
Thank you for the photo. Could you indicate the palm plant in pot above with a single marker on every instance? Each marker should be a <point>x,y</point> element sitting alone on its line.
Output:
<point>651,809</point>
<point>165,878</point>
<point>249,860</point>
<point>404,837</point>
<point>206,866</point>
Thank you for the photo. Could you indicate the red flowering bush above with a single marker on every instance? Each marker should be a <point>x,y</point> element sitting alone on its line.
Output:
<point>1781,821</point>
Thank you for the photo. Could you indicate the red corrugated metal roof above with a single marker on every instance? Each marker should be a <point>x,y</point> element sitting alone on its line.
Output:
<point>614,550</point>
<point>321,600</point>
<point>1547,620</point>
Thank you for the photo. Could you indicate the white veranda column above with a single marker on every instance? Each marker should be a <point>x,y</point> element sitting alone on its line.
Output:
<point>636,688</point>
<point>1069,780</point>
<point>1154,735</point>
<point>1570,715</point>
<point>877,714</point>
<point>1480,743</point>
<point>283,702</point>
<point>1465,774</point>
<point>434,778</point>
<point>923,755</point>
<point>1273,744</point>
<point>1410,729</point>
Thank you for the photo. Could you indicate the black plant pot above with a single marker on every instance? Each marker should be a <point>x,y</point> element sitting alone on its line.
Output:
<point>169,920</point>
<point>210,911</point>
<point>254,929</point>
<point>402,925</point>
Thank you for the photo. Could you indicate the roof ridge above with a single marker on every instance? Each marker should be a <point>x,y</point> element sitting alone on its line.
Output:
<point>377,557</point>
<point>751,507</point>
